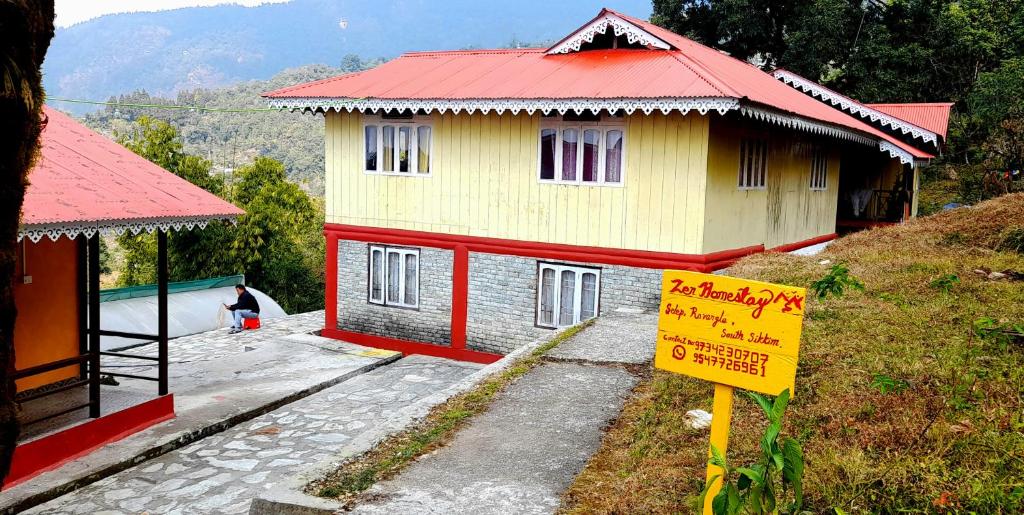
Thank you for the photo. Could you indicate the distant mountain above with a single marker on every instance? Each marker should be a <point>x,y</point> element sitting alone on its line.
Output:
<point>203,47</point>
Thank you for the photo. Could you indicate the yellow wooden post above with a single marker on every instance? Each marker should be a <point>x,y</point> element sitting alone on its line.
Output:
<point>721,417</point>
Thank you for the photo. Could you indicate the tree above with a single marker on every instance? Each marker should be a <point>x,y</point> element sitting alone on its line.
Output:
<point>26,28</point>
<point>769,32</point>
<point>277,244</point>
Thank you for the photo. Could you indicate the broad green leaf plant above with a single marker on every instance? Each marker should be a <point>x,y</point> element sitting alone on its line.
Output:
<point>762,487</point>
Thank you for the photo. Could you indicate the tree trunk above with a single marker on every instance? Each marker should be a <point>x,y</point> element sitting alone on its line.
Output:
<point>26,28</point>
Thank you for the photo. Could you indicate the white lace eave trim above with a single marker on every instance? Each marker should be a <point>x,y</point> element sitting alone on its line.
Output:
<point>546,106</point>
<point>601,25</point>
<point>896,152</point>
<point>54,231</point>
<point>854,107</point>
<point>806,125</point>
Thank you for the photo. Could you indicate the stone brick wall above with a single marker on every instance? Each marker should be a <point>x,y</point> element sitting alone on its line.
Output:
<point>503,298</point>
<point>502,302</point>
<point>431,322</point>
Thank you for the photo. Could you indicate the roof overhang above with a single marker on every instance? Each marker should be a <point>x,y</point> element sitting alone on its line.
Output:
<point>89,228</point>
<point>503,105</point>
<point>856,108</point>
<point>607,20</point>
<point>548,106</point>
<point>800,123</point>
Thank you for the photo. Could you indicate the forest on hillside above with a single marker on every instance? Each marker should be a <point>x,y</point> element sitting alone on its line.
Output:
<point>228,138</point>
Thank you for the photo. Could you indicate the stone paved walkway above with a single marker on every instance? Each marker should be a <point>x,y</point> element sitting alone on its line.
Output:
<point>213,345</point>
<point>521,455</point>
<point>223,472</point>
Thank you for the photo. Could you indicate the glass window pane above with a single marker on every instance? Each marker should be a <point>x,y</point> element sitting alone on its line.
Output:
<point>404,138</point>
<point>376,275</point>
<point>613,157</point>
<point>547,153</point>
<point>570,149</point>
<point>410,279</point>
<point>371,147</point>
<point>567,299</point>
<point>423,149</point>
<point>394,277</point>
<point>588,298</point>
<point>388,140</point>
<point>591,146</point>
<point>547,296</point>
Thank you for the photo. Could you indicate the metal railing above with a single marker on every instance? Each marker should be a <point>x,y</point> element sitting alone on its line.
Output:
<point>88,358</point>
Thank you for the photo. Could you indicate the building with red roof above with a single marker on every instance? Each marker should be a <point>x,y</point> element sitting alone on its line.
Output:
<point>84,185</point>
<point>477,198</point>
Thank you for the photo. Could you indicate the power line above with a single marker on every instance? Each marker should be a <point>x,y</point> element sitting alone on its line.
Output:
<point>168,106</point>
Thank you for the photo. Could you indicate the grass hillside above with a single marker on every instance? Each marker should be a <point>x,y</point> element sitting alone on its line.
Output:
<point>908,395</point>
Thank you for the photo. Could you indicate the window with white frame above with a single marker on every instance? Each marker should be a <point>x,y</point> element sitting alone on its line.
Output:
<point>397,146</point>
<point>753,164</point>
<point>566,295</point>
<point>582,152</point>
<point>819,169</point>
<point>394,276</point>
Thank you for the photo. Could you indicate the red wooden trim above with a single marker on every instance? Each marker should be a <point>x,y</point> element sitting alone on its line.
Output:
<point>460,297</point>
<point>625,257</point>
<point>331,282</point>
<point>797,245</point>
<point>410,347</point>
<point>52,451</point>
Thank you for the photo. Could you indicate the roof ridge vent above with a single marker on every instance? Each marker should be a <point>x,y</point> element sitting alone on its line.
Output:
<point>608,30</point>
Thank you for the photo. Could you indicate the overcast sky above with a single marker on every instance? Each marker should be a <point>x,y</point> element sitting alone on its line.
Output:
<point>70,12</point>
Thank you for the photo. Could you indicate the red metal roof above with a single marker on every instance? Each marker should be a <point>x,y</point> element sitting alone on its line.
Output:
<point>932,116</point>
<point>688,70</point>
<point>83,177</point>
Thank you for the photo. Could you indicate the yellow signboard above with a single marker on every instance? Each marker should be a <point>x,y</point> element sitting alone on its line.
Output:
<point>730,331</point>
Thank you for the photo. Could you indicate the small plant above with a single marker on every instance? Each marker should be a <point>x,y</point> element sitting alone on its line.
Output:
<point>1012,239</point>
<point>952,239</point>
<point>836,282</point>
<point>885,384</point>
<point>945,283</point>
<point>757,487</point>
<point>1000,334</point>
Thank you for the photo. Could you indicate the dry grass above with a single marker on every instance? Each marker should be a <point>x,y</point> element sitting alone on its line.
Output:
<point>951,440</point>
<point>437,429</point>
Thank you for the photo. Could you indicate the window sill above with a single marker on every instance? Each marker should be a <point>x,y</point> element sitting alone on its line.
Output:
<point>395,306</point>
<point>397,174</point>
<point>581,183</point>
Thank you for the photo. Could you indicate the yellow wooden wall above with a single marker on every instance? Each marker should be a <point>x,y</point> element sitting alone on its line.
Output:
<point>787,210</point>
<point>484,183</point>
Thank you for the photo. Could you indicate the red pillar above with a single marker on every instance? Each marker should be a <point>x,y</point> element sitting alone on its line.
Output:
<point>331,286</point>
<point>460,296</point>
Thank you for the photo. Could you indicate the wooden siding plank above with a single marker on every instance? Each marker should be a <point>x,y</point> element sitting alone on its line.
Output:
<point>484,182</point>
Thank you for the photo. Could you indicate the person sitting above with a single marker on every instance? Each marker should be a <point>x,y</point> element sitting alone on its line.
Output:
<point>246,307</point>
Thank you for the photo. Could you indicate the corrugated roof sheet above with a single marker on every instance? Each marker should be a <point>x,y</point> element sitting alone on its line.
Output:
<point>81,176</point>
<point>691,70</point>
<point>933,116</point>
